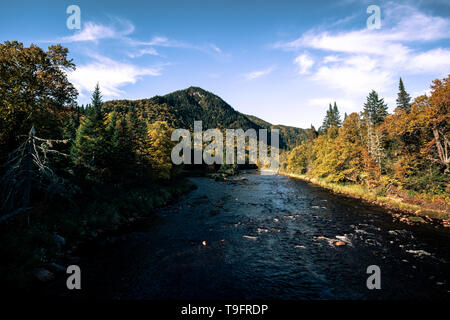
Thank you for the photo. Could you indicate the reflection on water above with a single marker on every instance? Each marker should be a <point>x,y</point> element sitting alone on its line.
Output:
<point>262,236</point>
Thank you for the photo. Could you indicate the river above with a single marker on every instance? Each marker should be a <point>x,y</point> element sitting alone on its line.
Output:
<point>262,236</point>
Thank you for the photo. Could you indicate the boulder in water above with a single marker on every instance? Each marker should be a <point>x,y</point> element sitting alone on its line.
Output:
<point>339,243</point>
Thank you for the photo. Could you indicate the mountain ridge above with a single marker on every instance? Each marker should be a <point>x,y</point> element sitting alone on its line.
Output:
<point>181,108</point>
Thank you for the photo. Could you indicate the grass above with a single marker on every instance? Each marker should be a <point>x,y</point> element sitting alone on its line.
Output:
<point>374,195</point>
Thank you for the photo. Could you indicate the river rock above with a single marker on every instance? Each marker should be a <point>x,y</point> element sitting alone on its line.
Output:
<point>59,241</point>
<point>54,267</point>
<point>339,243</point>
<point>43,275</point>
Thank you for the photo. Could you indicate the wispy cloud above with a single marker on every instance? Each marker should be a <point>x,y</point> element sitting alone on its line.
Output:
<point>121,29</point>
<point>92,31</point>
<point>110,74</point>
<point>162,41</point>
<point>142,52</point>
<point>258,73</point>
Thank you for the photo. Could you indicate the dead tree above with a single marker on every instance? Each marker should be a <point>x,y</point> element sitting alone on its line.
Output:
<point>28,168</point>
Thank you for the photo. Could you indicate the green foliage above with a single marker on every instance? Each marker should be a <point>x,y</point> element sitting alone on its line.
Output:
<point>289,136</point>
<point>403,99</point>
<point>33,91</point>
<point>332,119</point>
<point>181,108</point>
<point>90,146</point>
<point>375,110</point>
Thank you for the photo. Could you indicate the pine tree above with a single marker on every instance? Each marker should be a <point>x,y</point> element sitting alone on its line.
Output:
<point>326,121</point>
<point>375,110</point>
<point>403,100</point>
<point>119,144</point>
<point>332,119</point>
<point>138,134</point>
<point>89,147</point>
<point>336,117</point>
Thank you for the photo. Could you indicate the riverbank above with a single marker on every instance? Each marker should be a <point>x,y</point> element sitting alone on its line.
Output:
<point>415,212</point>
<point>36,246</point>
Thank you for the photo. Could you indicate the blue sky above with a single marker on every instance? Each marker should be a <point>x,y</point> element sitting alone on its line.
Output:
<point>283,61</point>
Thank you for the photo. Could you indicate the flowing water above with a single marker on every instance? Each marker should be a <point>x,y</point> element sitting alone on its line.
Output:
<point>268,237</point>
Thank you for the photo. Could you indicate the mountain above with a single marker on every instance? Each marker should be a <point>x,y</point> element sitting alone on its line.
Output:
<point>290,136</point>
<point>181,108</point>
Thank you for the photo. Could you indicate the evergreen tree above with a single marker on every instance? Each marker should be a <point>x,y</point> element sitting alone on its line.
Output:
<point>403,100</point>
<point>89,147</point>
<point>139,135</point>
<point>375,110</point>
<point>71,123</point>
<point>336,117</point>
<point>119,147</point>
<point>332,119</point>
<point>326,121</point>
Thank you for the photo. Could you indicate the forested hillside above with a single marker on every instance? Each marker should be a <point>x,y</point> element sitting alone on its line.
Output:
<point>290,137</point>
<point>181,108</point>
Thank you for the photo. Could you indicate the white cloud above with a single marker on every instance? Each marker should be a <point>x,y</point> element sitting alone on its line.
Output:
<point>357,61</point>
<point>161,41</point>
<point>142,52</point>
<point>110,74</point>
<point>92,31</point>
<point>436,60</point>
<point>257,74</point>
<point>353,80</point>
<point>304,62</point>
<point>329,59</point>
<point>409,25</point>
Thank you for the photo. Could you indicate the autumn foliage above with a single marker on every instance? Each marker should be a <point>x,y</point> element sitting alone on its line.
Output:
<point>406,150</point>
